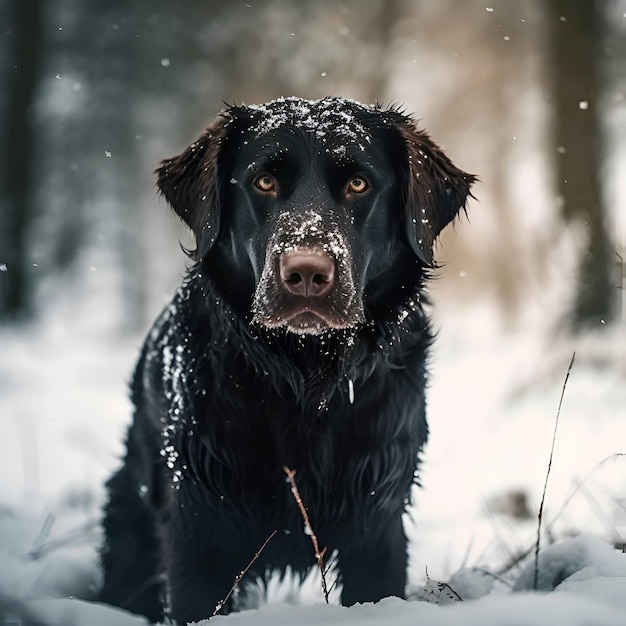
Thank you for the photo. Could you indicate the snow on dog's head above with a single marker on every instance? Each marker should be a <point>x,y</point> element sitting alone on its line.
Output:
<point>310,213</point>
<point>331,119</point>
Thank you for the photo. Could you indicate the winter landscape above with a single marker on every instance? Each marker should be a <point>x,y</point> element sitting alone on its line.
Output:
<point>471,525</point>
<point>102,259</point>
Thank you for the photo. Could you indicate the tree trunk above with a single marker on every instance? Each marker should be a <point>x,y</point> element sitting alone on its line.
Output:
<point>17,189</point>
<point>574,34</point>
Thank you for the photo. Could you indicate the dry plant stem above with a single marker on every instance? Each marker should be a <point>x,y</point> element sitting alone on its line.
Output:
<point>581,483</point>
<point>498,536</point>
<point>603,518</point>
<point>42,546</point>
<point>319,554</point>
<point>239,577</point>
<point>545,485</point>
<point>522,555</point>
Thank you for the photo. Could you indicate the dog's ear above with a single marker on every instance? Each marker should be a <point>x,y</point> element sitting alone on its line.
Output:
<point>436,190</point>
<point>189,182</point>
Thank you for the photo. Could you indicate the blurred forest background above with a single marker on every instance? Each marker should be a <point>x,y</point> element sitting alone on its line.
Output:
<point>528,94</point>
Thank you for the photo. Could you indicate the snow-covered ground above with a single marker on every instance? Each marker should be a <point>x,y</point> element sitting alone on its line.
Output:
<point>493,402</point>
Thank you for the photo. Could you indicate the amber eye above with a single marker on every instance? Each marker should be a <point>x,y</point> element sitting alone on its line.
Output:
<point>357,185</point>
<point>265,183</point>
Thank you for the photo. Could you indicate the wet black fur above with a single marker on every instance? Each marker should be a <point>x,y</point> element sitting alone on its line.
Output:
<point>228,404</point>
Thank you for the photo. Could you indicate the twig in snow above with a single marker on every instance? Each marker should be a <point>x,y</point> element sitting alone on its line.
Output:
<point>319,554</point>
<point>579,485</point>
<point>498,537</point>
<point>42,546</point>
<point>545,485</point>
<point>600,514</point>
<point>242,573</point>
<point>43,535</point>
<point>582,482</point>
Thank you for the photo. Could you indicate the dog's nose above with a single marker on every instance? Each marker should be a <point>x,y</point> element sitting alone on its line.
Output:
<point>307,273</point>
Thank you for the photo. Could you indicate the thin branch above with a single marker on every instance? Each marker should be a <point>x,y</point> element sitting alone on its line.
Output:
<point>600,514</point>
<point>239,577</point>
<point>515,561</point>
<point>42,546</point>
<point>494,576</point>
<point>522,555</point>
<point>545,485</point>
<point>43,535</point>
<point>337,580</point>
<point>468,550</point>
<point>498,536</point>
<point>581,483</point>
<point>319,554</point>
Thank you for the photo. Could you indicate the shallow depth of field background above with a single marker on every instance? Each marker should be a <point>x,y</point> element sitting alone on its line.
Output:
<point>528,95</point>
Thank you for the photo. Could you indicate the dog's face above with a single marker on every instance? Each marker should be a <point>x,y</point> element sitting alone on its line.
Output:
<point>302,210</point>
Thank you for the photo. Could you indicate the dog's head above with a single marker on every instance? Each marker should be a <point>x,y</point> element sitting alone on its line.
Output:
<point>308,213</point>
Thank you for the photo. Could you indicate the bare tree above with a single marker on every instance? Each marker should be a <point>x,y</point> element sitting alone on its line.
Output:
<point>17,187</point>
<point>574,37</point>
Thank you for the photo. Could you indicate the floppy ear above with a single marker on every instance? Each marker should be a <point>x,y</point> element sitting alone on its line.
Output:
<point>436,190</point>
<point>189,183</point>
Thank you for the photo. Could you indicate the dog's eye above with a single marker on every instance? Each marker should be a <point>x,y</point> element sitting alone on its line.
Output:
<point>265,183</point>
<point>357,185</point>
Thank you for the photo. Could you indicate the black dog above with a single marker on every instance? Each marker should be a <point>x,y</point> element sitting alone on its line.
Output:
<point>297,339</point>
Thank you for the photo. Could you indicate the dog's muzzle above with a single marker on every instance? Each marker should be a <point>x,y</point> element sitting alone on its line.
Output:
<point>307,284</point>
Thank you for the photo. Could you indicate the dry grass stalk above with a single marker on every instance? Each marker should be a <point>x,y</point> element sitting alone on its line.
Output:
<point>545,485</point>
<point>520,556</point>
<point>239,577</point>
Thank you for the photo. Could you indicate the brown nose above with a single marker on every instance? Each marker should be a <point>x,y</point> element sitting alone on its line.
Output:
<point>307,274</point>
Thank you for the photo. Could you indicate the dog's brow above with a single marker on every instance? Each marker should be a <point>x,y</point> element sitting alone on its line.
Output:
<point>267,152</point>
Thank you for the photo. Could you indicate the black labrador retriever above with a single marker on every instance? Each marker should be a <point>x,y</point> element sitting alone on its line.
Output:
<point>297,339</point>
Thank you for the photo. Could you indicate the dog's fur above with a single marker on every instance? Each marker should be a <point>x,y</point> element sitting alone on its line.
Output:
<point>297,339</point>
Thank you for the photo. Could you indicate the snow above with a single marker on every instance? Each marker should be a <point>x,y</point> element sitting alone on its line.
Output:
<point>493,398</point>
<point>522,609</point>
<point>577,560</point>
<point>328,119</point>
<point>305,231</point>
